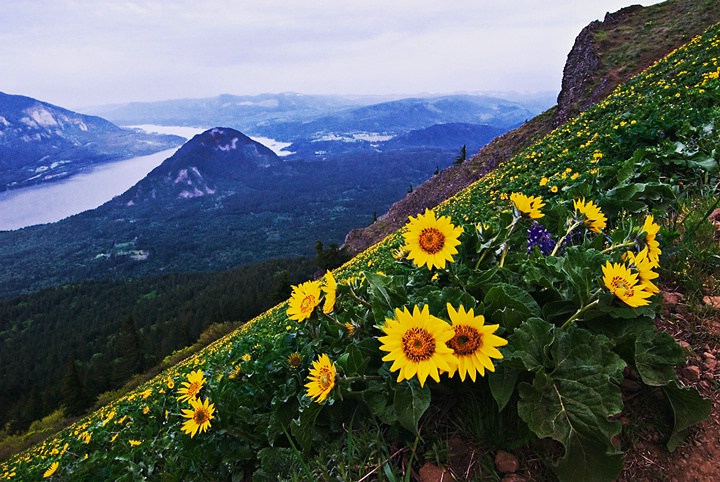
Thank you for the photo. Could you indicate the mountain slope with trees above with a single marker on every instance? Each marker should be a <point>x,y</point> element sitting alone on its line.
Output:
<point>41,142</point>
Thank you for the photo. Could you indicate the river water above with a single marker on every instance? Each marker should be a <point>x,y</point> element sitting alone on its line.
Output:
<point>52,202</point>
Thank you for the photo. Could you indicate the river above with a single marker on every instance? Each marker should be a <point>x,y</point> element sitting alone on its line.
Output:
<point>48,203</point>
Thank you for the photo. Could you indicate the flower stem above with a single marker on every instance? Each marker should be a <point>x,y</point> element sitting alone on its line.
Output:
<point>610,249</point>
<point>567,234</point>
<point>510,229</point>
<point>579,312</point>
<point>332,320</point>
<point>359,300</point>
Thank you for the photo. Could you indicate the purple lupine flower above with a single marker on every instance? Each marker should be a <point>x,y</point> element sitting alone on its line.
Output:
<point>539,236</point>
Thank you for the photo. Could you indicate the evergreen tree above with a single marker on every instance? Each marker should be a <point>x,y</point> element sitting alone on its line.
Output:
<point>75,398</point>
<point>463,155</point>
<point>131,358</point>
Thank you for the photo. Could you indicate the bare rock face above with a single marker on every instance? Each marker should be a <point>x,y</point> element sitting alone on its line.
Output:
<point>582,67</point>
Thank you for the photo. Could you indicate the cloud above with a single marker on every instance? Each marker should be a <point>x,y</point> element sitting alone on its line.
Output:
<point>84,52</point>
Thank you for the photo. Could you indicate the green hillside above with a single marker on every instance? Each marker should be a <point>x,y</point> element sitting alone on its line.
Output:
<point>307,390</point>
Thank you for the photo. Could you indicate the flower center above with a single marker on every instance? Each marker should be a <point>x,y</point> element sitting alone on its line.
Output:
<point>193,389</point>
<point>431,240</point>
<point>294,360</point>
<point>308,304</point>
<point>325,379</point>
<point>418,344</point>
<point>467,340</point>
<point>201,416</point>
<point>623,287</point>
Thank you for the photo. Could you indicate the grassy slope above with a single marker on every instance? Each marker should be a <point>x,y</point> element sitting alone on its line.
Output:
<point>656,108</point>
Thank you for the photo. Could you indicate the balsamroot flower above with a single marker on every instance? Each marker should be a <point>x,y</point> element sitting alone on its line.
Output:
<point>294,360</point>
<point>529,205</point>
<point>473,343</point>
<point>623,283</point>
<point>51,470</point>
<point>321,379</point>
<point>191,388</point>
<point>198,417</point>
<point>431,241</point>
<point>330,290</point>
<point>653,246</point>
<point>417,344</point>
<point>305,297</point>
<point>594,218</point>
<point>644,267</point>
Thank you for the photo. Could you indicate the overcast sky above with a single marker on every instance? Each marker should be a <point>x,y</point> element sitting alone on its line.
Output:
<point>76,53</point>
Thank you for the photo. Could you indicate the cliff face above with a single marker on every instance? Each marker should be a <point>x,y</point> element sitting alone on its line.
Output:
<point>605,54</point>
<point>582,81</point>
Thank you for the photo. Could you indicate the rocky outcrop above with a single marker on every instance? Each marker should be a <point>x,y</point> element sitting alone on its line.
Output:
<point>582,83</point>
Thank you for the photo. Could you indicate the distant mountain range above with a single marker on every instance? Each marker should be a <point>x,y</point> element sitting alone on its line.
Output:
<point>221,201</point>
<point>282,116</point>
<point>40,142</point>
<point>224,200</point>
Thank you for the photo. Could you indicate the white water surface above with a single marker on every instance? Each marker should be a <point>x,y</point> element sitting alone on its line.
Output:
<point>52,202</point>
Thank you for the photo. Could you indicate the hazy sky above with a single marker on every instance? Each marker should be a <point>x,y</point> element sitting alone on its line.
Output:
<point>77,53</point>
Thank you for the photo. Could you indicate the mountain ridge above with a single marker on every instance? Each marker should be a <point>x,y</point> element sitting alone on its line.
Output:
<point>42,142</point>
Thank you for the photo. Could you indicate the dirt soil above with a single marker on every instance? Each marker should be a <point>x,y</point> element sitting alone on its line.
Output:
<point>696,460</point>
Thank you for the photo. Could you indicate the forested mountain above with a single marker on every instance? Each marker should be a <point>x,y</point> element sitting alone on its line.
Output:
<point>221,201</point>
<point>40,142</point>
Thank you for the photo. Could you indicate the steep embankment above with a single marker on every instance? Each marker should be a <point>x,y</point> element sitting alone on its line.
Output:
<point>605,54</point>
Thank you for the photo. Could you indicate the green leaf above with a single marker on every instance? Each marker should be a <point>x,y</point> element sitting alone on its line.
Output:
<point>304,427</point>
<point>502,384</point>
<point>572,402</point>
<point>376,398</point>
<point>655,356</point>
<point>585,460</point>
<point>377,286</point>
<point>529,345</point>
<point>688,409</point>
<point>509,305</point>
<point>411,401</point>
<point>356,361</point>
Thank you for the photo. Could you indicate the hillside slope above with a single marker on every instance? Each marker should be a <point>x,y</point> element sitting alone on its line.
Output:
<point>604,55</point>
<point>567,333</point>
<point>41,142</point>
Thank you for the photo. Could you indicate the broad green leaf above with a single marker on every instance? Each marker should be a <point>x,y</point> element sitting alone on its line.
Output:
<point>529,345</point>
<point>303,427</point>
<point>688,408</point>
<point>586,460</point>
<point>502,384</point>
<point>356,361</point>
<point>377,287</point>
<point>572,402</point>
<point>655,356</point>
<point>411,401</point>
<point>558,310</point>
<point>510,306</point>
<point>626,172</point>
<point>376,398</point>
